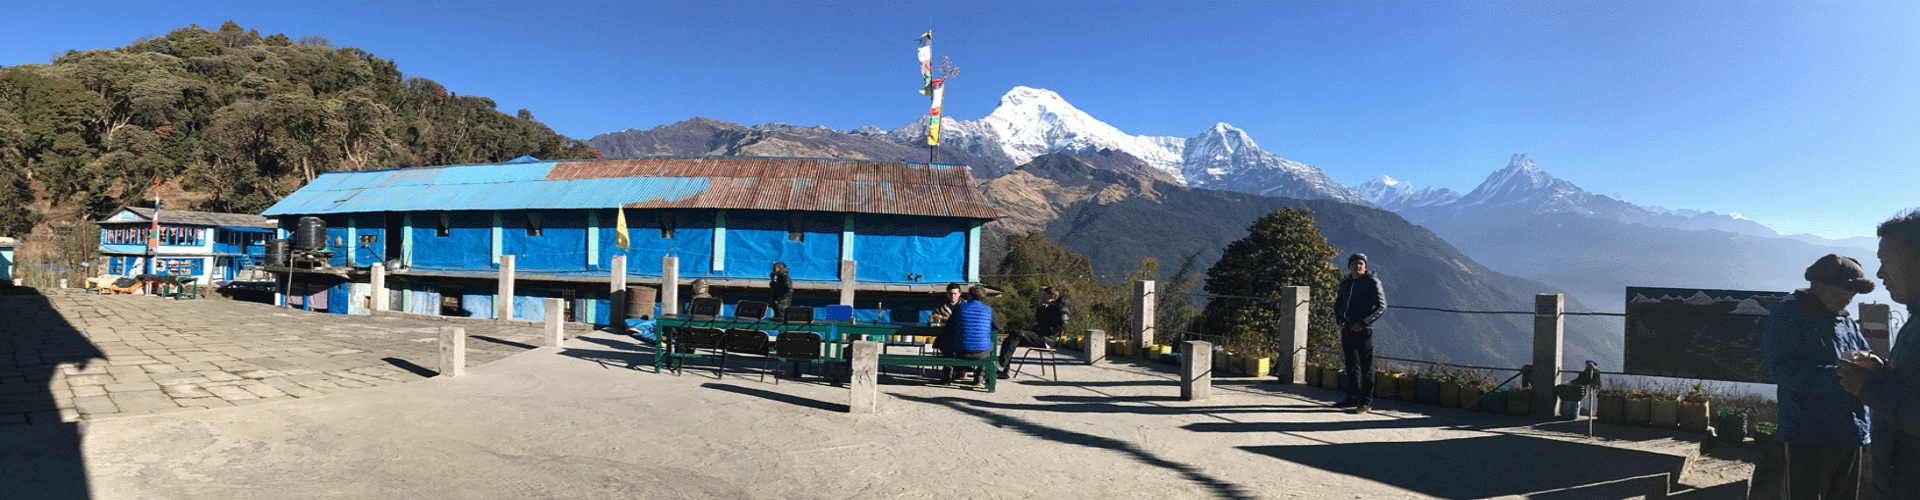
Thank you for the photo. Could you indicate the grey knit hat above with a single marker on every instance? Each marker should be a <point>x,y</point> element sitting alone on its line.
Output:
<point>1841,271</point>
<point>1357,257</point>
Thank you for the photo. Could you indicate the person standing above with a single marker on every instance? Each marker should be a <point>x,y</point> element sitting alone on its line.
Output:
<point>1891,387</point>
<point>780,289</point>
<point>1050,318</point>
<point>1821,425</point>
<point>1359,303</point>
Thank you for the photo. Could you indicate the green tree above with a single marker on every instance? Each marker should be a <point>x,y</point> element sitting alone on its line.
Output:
<point>1033,260</point>
<point>1281,249</point>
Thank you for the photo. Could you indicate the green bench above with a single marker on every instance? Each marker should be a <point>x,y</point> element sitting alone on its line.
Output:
<point>986,367</point>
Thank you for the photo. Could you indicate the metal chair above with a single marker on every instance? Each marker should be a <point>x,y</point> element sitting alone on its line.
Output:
<point>692,339</point>
<point>750,309</point>
<point>704,306</point>
<point>741,341</point>
<point>794,346</point>
<point>1048,358</point>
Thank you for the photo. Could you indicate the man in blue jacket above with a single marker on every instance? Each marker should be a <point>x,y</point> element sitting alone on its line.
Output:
<point>1892,387</point>
<point>971,328</point>
<point>1358,304</point>
<point>1822,426</point>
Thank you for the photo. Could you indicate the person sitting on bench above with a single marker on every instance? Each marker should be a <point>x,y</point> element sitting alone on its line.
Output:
<point>969,334</point>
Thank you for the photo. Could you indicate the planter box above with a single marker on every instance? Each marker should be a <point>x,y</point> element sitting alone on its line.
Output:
<point>1404,389</point>
<point>1638,411</point>
<point>1731,428</point>
<point>1221,363</point>
<point>1330,379</point>
<point>1693,416</point>
<point>1520,401</point>
<point>1665,414</point>
<point>1384,385</point>
<point>1258,367</point>
<point>1313,374</point>
<point>1612,410</point>
<point>1427,390</point>
<point>1493,401</point>
<point>1450,394</point>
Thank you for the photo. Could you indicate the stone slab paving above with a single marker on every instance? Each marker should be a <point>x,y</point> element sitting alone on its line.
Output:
<point>65,358</point>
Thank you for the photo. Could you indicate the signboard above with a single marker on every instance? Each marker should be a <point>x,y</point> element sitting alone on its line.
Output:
<point>1697,333</point>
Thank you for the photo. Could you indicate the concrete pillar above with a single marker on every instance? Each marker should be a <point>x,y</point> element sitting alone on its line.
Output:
<point>1196,370</point>
<point>1875,324</point>
<point>1549,325</point>
<point>453,351</point>
<point>556,326</point>
<point>617,293</point>
<point>1143,309</point>
<point>670,285</point>
<point>865,382</point>
<point>503,301</point>
<point>1096,346</point>
<point>846,282</point>
<point>1295,315</point>
<point>63,283</point>
<point>379,271</point>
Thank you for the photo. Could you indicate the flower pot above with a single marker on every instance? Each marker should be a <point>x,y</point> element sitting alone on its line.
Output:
<point>1426,389</point>
<point>1693,416</point>
<point>1258,367</point>
<point>1520,401</point>
<point>1493,400</point>
<point>1383,385</point>
<point>1730,427</point>
<point>1220,363</point>
<point>1612,409</point>
<point>1330,379</point>
<point>1404,386</point>
<point>1638,411</point>
<point>1313,374</point>
<point>1450,394</point>
<point>1665,414</point>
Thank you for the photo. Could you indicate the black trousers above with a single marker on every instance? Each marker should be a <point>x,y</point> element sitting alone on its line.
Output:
<point>1019,338</point>
<point>1823,472</point>
<point>1357,347</point>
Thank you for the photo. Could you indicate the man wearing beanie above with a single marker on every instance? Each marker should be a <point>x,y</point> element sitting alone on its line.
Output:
<point>1822,426</point>
<point>1358,304</point>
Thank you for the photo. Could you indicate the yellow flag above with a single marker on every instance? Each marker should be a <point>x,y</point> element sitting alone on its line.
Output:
<point>620,230</point>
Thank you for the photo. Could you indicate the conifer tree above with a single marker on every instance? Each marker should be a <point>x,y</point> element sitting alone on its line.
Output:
<point>1281,249</point>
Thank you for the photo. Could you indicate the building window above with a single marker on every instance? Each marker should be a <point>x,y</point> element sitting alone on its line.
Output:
<point>666,225</point>
<point>533,223</point>
<point>796,228</point>
<point>446,226</point>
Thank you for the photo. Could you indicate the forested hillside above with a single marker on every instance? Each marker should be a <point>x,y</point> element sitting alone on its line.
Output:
<point>229,120</point>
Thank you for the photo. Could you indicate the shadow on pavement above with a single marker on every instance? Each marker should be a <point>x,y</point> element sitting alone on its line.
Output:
<point>411,367</point>
<point>1219,487</point>
<point>43,457</point>
<point>625,359</point>
<point>503,342</point>
<point>1500,465</point>
<point>780,397</point>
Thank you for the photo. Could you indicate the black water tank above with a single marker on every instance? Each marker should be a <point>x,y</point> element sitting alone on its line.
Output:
<point>311,234</point>
<point>277,251</point>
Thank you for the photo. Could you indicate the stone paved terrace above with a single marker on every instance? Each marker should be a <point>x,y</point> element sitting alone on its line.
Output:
<point>67,357</point>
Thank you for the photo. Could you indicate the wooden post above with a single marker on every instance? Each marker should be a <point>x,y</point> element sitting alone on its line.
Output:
<point>1143,309</point>
<point>556,326</point>
<point>617,294</point>
<point>846,282</point>
<point>670,285</point>
<point>1549,326</point>
<point>1096,346</point>
<point>379,270</point>
<point>503,301</point>
<point>865,383</point>
<point>1294,303</point>
<point>1196,371</point>
<point>453,351</point>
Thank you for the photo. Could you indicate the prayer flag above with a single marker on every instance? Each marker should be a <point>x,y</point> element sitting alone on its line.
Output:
<point>620,230</point>
<point>153,235</point>
<point>933,116</point>
<point>926,62</point>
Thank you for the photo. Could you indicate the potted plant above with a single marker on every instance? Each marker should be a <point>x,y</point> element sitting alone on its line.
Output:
<point>1384,386</point>
<point>1665,411</point>
<point>1493,400</point>
<point>1450,388</point>
<point>1693,409</point>
<point>1426,388</point>
<point>1520,401</point>
<point>1612,406</point>
<point>1766,434</point>
<point>1730,425</point>
<point>1470,384</point>
<point>1330,378</point>
<point>1313,374</point>
<point>1639,408</point>
<point>1404,389</point>
<point>1222,359</point>
<point>1259,367</point>
<point>1570,396</point>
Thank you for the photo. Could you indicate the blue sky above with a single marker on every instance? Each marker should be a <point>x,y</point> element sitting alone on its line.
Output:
<point>1802,116</point>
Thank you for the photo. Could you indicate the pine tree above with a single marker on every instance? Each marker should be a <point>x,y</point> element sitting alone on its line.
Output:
<point>1281,249</point>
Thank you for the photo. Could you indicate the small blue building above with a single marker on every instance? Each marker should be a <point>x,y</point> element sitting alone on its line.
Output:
<point>910,228</point>
<point>214,247</point>
<point>6,258</point>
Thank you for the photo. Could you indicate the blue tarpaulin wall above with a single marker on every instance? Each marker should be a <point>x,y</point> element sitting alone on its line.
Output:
<point>561,245</point>
<point>692,242</point>
<point>601,307</point>
<point>364,225</point>
<point>423,298</point>
<point>468,245</point>
<point>758,238</point>
<point>337,299</point>
<point>530,305</point>
<point>478,301</point>
<point>889,247</point>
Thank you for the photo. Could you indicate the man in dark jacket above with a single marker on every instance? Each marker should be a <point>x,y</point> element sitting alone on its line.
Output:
<point>1050,318</point>
<point>1891,388</point>
<point>1358,304</point>
<point>1806,336</point>
<point>780,289</point>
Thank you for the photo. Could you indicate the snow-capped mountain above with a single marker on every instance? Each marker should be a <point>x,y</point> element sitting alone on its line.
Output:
<point>1225,158</point>
<point>1391,194</point>
<point>1031,122</point>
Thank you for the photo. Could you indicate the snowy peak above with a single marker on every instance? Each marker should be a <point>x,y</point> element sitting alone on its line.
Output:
<point>1391,194</point>
<point>1030,122</point>
<point>1523,182</point>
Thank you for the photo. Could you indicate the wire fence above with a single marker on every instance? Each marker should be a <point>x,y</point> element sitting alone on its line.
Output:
<point>1272,300</point>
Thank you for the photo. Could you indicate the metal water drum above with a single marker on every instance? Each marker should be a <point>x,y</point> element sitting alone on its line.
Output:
<point>276,252</point>
<point>640,300</point>
<point>311,234</point>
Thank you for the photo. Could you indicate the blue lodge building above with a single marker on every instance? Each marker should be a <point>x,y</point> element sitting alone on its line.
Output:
<point>214,247</point>
<point>909,229</point>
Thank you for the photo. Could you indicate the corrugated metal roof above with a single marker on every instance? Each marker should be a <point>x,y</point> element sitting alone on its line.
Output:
<point>198,218</point>
<point>824,185</point>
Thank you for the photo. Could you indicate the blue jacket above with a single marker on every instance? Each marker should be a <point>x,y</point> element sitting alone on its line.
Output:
<point>1803,343</point>
<point>974,321</point>
<point>1895,399</point>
